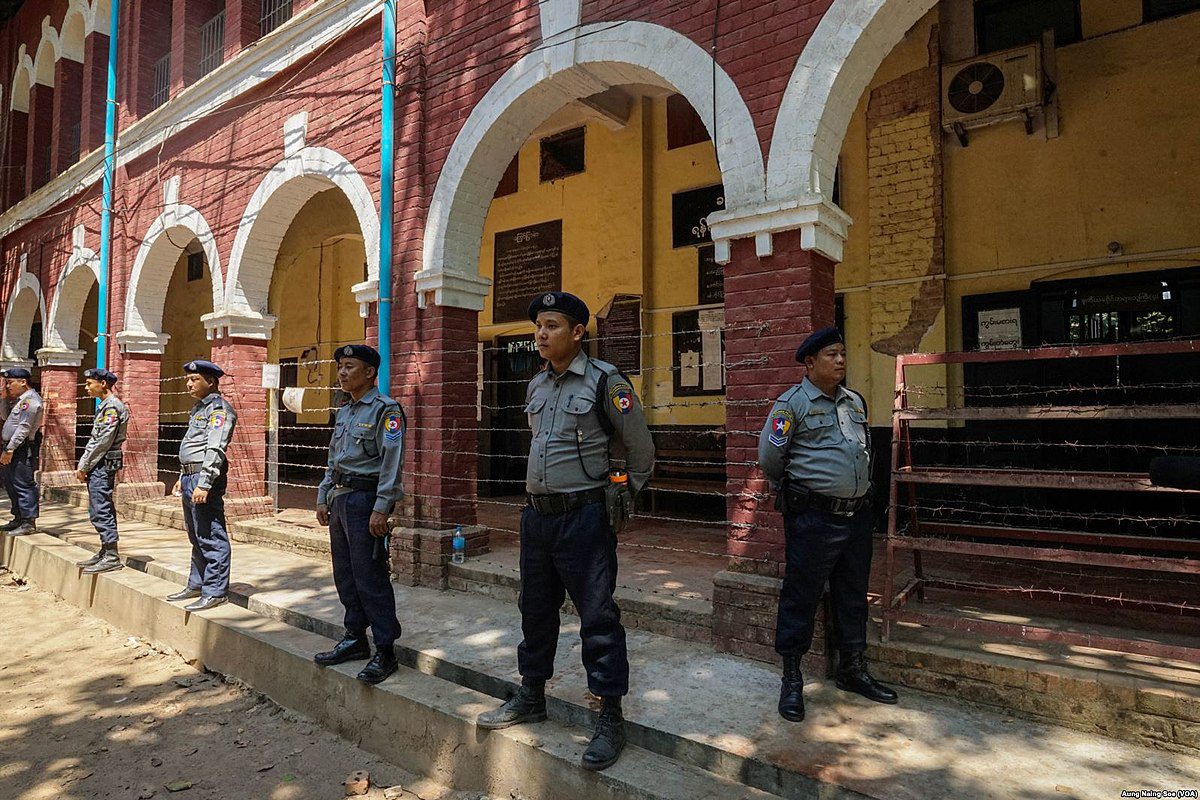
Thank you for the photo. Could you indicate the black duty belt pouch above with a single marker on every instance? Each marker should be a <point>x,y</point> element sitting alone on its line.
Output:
<point>618,505</point>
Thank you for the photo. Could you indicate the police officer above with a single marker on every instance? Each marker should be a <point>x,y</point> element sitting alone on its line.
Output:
<point>360,489</point>
<point>22,443</point>
<point>816,450</point>
<point>203,476</point>
<point>99,464</point>
<point>577,406</point>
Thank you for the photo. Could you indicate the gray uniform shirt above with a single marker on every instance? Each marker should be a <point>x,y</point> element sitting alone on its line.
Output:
<point>569,445</point>
<point>108,432</point>
<point>818,442</point>
<point>24,420</point>
<point>210,429</point>
<point>367,442</point>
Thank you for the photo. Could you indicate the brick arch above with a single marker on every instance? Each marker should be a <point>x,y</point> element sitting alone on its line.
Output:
<point>153,266</point>
<point>99,17</point>
<point>288,186</point>
<point>22,82</point>
<point>70,296</point>
<point>46,55</point>
<point>590,59</point>
<point>834,69</point>
<point>24,305</point>
<point>74,30</point>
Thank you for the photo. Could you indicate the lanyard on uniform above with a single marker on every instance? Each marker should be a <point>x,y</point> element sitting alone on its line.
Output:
<point>601,387</point>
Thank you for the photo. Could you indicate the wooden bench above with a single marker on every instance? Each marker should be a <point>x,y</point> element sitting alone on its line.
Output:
<point>689,461</point>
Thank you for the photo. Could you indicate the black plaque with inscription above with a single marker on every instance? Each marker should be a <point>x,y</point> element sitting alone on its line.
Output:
<point>526,262</point>
<point>620,334</point>
<point>711,277</point>
<point>689,214</point>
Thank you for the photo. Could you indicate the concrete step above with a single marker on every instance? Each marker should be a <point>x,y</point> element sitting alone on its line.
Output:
<point>701,709</point>
<point>420,722</point>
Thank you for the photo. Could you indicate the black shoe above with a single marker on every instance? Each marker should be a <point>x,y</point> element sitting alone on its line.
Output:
<point>184,594</point>
<point>609,739</point>
<point>791,690</point>
<point>382,664</point>
<point>87,562</point>
<point>108,561</point>
<point>205,603</point>
<point>352,647</point>
<point>852,676</point>
<point>11,524</point>
<point>24,529</point>
<point>527,705</point>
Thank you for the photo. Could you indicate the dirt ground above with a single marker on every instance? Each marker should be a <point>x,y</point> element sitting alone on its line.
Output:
<point>87,711</point>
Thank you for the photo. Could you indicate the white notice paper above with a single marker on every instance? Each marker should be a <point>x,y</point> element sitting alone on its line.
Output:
<point>270,378</point>
<point>711,322</point>
<point>689,369</point>
<point>293,399</point>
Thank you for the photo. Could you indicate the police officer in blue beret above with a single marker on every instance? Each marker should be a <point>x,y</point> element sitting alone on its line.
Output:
<point>578,408</point>
<point>359,491</point>
<point>203,478</point>
<point>98,466</point>
<point>22,447</point>
<point>816,449</point>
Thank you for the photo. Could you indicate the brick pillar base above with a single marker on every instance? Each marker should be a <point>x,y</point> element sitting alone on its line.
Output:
<point>243,360</point>
<point>138,388</point>
<point>60,393</point>
<point>760,345</point>
<point>421,556</point>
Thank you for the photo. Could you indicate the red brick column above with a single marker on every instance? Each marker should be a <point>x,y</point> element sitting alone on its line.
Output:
<point>18,145</point>
<point>770,305</point>
<point>242,23</point>
<point>187,17</point>
<point>138,387</point>
<point>94,92</point>
<point>149,40</point>
<point>242,360</point>
<point>41,121</point>
<point>60,393</point>
<point>68,94</point>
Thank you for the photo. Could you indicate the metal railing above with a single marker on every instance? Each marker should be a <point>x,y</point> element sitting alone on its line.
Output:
<point>73,143</point>
<point>274,14</point>
<point>212,43</point>
<point>162,82</point>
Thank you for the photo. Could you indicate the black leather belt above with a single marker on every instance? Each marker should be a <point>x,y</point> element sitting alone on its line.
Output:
<point>568,501</point>
<point>795,499</point>
<point>191,469</point>
<point>361,483</point>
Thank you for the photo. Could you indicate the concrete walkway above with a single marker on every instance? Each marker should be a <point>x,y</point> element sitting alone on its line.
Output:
<point>701,708</point>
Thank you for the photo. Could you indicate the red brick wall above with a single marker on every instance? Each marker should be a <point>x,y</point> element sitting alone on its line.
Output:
<point>59,392</point>
<point>94,91</point>
<point>41,123</point>
<point>68,97</point>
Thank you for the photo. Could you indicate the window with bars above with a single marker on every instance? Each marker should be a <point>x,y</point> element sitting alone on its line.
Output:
<point>274,14</point>
<point>212,43</point>
<point>162,82</point>
<point>73,143</point>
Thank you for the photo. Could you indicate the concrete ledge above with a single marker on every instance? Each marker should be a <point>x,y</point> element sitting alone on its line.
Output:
<point>418,721</point>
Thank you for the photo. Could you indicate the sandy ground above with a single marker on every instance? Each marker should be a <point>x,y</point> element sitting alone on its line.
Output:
<point>87,711</point>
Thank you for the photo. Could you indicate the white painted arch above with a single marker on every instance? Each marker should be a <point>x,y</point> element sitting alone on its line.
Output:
<point>47,54</point>
<point>74,31</point>
<point>25,303</point>
<point>303,172</point>
<point>576,62</point>
<point>22,81</point>
<point>70,295</point>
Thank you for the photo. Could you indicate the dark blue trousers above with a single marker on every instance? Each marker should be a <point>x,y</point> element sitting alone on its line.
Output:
<point>18,481</point>
<point>824,547</point>
<point>572,554</point>
<point>100,502</point>
<point>210,540</point>
<point>360,572</point>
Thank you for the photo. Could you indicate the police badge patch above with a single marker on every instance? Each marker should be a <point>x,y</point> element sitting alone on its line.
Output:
<point>217,419</point>
<point>393,426</point>
<point>782,422</point>
<point>109,416</point>
<point>621,396</point>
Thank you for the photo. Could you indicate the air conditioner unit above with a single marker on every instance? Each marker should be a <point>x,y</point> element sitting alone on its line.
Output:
<point>990,89</point>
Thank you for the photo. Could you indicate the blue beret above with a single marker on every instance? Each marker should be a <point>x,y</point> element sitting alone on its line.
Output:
<point>100,375</point>
<point>363,352</point>
<point>563,303</point>
<point>202,367</point>
<point>17,372</point>
<point>817,340</point>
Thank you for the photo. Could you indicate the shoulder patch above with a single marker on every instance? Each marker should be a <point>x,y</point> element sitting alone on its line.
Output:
<point>216,420</point>
<point>109,416</point>
<point>621,396</point>
<point>782,422</point>
<point>393,426</point>
<point>23,405</point>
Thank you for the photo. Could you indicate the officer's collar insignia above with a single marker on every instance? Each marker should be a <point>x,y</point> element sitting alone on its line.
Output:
<point>548,299</point>
<point>393,426</point>
<point>781,423</point>
<point>622,397</point>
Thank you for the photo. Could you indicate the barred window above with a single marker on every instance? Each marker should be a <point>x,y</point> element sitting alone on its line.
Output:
<point>212,43</point>
<point>274,14</point>
<point>162,82</point>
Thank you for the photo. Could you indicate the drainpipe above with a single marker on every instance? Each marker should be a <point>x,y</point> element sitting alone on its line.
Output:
<point>110,146</point>
<point>387,154</point>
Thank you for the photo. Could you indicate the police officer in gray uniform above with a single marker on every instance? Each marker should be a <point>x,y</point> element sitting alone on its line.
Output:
<point>203,478</point>
<point>578,407</point>
<point>98,466</point>
<point>816,450</point>
<point>22,435</point>
<point>359,491</point>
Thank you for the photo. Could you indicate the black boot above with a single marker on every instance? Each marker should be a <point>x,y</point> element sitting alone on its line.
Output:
<point>791,690</point>
<point>352,647</point>
<point>609,739</point>
<point>87,562</point>
<point>26,527</point>
<point>108,561</point>
<point>384,663</point>
<point>852,676</point>
<point>527,705</point>
<point>12,524</point>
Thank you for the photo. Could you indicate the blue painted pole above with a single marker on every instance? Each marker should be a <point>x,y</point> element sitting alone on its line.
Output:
<point>387,155</point>
<point>110,158</point>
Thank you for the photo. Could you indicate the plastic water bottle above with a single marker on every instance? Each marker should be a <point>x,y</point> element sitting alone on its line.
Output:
<point>460,546</point>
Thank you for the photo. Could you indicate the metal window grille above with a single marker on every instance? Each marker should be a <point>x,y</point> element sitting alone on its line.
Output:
<point>274,14</point>
<point>46,166</point>
<point>162,81</point>
<point>212,43</point>
<point>73,143</point>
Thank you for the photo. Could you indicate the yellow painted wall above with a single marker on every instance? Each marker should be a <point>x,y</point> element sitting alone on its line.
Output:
<point>185,303</point>
<point>617,237</point>
<point>320,259</point>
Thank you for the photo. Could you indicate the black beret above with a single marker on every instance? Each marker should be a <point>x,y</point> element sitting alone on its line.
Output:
<point>202,367</point>
<point>817,340</point>
<point>563,303</point>
<point>17,372</point>
<point>363,352</point>
<point>100,375</point>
